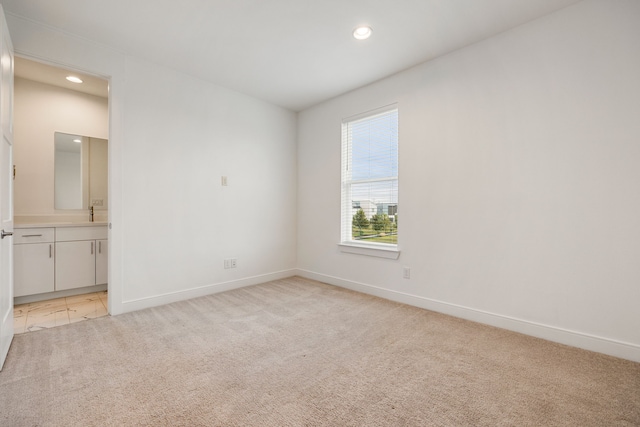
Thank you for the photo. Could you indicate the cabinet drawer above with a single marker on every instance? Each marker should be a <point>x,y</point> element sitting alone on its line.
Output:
<point>70,234</point>
<point>33,235</point>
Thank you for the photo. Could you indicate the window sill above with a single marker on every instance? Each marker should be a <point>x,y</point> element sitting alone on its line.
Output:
<point>370,250</point>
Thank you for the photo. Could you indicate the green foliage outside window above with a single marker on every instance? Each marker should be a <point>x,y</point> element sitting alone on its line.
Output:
<point>380,228</point>
<point>381,222</point>
<point>360,222</point>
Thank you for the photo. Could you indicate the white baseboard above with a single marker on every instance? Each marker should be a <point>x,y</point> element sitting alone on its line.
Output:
<point>551,333</point>
<point>156,300</point>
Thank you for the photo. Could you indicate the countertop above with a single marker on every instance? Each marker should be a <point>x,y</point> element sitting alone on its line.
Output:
<point>60,224</point>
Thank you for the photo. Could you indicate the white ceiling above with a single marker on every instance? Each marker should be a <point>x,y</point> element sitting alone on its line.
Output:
<point>55,76</point>
<point>293,53</point>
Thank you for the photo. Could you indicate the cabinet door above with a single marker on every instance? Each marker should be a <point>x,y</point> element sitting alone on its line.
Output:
<point>75,264</point>
<point>33,268</point>
<point>102,262</point>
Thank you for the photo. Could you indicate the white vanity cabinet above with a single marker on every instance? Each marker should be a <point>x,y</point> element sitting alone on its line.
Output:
<point>77,257</point>
<point>59,258</point>
<point>33,258</point>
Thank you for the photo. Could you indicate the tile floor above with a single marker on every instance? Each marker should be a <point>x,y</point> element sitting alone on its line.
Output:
<point>57,312</point>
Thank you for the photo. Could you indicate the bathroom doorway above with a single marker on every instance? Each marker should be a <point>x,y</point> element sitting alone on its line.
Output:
<point>61,126</point>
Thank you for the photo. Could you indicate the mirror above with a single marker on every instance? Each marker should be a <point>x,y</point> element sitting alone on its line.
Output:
<point>80,166</point>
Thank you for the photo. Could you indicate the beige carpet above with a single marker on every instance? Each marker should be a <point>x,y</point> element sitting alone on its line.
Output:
<point>296,352</point>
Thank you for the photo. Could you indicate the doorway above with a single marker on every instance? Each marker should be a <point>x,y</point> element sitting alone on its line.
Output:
<point>49,107</point>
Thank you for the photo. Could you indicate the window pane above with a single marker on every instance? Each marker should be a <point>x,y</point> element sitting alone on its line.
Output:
<point>375,197</point>
<point>374,147</point>
<point>370,179</point>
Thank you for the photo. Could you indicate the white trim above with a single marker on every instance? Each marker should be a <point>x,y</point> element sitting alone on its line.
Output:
<point>371,113</point>
<point>162,299</point>
<point>624,350</point>
<point>370,249</point>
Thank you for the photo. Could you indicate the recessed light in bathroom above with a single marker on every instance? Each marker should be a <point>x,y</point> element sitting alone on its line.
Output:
<point>77,140</point>
<point>362,32</point>
<point>74,79</point>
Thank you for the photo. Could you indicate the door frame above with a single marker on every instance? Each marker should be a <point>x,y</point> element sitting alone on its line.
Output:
<point>39,42</point>
<point>114,300</point>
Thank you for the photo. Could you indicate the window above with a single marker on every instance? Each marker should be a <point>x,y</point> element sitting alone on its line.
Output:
<point>370,179</point>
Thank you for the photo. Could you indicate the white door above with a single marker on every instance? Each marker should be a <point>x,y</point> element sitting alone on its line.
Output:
<point>6,189</point>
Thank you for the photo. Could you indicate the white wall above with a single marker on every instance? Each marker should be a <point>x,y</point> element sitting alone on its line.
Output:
<point>98,174</point>
<point>40,110</point>
<point>519,172</point>
<point>181,223</point>
<point>171,138</point>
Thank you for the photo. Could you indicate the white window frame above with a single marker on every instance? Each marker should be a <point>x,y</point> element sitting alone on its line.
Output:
<point>347,244</point>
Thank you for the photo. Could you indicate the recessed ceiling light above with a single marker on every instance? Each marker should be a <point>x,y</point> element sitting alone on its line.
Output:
<point>77,140</point>
<point>362,32</point>
<point>74,79</point>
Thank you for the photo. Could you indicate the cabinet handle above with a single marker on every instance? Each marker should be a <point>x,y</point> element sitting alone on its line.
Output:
<point>99,247</point>
<point>32,235</point>
<point>91,248</point>
<point>50,251</point>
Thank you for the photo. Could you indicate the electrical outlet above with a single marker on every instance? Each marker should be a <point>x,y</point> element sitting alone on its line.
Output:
<point>234,263</point>
<point>97,202</point>
<point>230,263</point>
<point>406,272</point>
